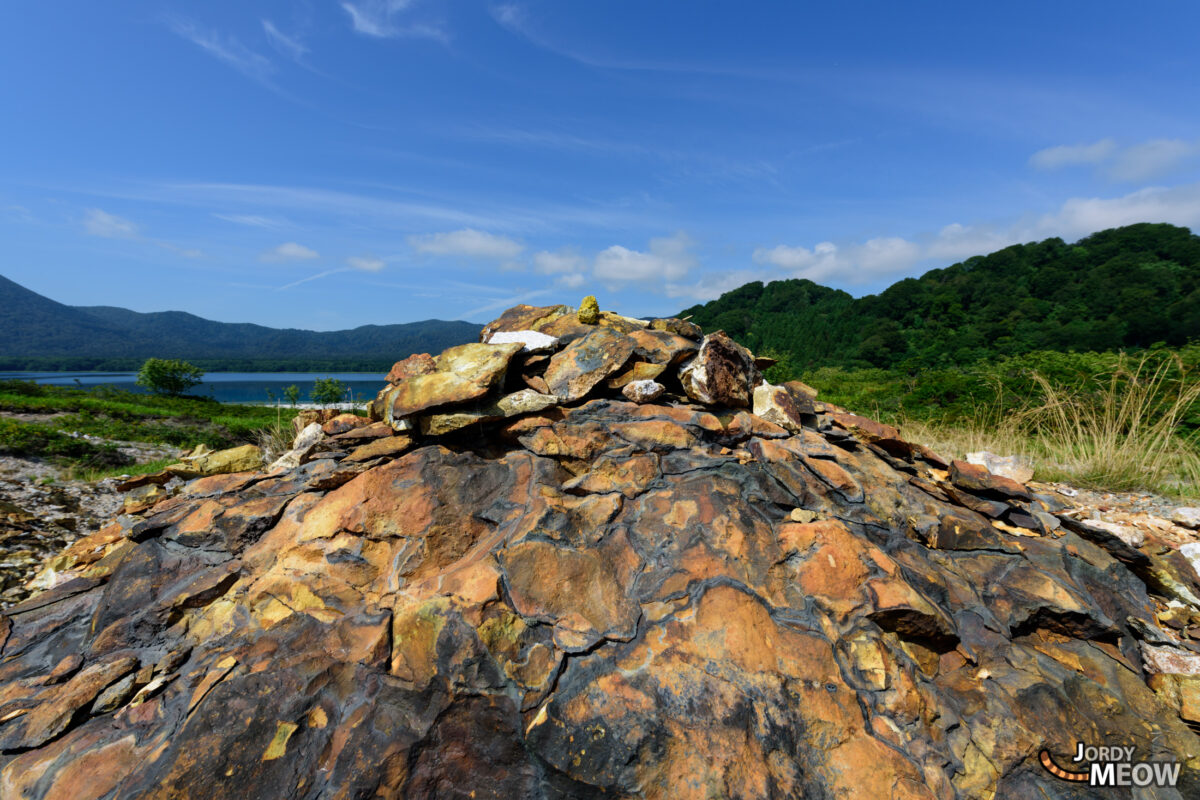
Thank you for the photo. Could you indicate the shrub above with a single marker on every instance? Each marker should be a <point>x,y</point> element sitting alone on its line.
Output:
<point>328,391</point>
<point>171,377</point>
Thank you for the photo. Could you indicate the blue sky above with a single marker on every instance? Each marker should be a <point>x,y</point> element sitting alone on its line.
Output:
<point>324,164</point>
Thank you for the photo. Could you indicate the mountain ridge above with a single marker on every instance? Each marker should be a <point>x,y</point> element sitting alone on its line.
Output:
<point>44,334</point>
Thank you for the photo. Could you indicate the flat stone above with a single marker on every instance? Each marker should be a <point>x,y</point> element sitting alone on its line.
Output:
<point>662,347</point>
<point>525,401</point>
<point>680,327</point>
<point>464,373</point>
<point>302,446</point>
<point>585,362</point>
<point>343,423</point>
<point>246,458</point>
<point>530,341</point>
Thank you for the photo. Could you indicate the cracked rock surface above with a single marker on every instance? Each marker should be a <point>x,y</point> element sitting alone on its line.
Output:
<point>600,599</point>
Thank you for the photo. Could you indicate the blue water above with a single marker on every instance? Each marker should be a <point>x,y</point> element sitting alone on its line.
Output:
<point>226,387</point>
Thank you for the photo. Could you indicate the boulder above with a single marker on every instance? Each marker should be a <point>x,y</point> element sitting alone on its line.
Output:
<point>525,401</point>
<point>775,404</point>
<point>344,422</point>
<point>600,598</point>
<point>722,373</point>
<point>1187,517</point>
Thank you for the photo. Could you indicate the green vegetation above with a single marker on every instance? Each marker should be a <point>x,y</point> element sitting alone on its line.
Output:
<point>328,391</point>
<point>1085,358</point>
<point>168,376</point>
<point>1125,288</point>
<point>123,416</point>
<point>292,394</point>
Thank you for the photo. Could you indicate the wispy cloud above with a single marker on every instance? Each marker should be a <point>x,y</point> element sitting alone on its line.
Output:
<point>97,222</point>
<point>1138,162</point>
<point>289,46</point>
<point>366,263</point>
<point>468,242</point>
<point>289,251</point>
<point>507,302</point>
<point>226,49</point>
<point>255,221</point>
<point>311,278</point>
<point>1069,155</point>
<point>381,20</point>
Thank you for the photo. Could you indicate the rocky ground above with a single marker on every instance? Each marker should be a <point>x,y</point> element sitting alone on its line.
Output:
<point>42,511</point>
<point>606,560</point>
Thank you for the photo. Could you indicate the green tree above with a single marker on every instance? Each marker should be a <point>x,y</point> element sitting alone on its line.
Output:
<point>292,394</point>
<point>328,391</point>
<point>168,376</point>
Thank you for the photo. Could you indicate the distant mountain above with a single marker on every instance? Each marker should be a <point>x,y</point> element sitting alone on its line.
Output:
<point>1122,288</point>
<point>38,333</point>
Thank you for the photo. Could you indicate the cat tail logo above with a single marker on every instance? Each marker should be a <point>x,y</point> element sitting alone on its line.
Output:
<point>1106,772</point>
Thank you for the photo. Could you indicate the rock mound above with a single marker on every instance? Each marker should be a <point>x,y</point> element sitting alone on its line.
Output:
<point>513,582</point>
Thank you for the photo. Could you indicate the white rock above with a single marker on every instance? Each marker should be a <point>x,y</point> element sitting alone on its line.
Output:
<point>303,444</point>
<point>774,404</point>
<point>533,341</point>
<point>1191,552</point>
<point>1170,660</point>
<point>1188,517</point>
<point>1013,467</point>
<point>643,391</point>
<point>1126,533</point>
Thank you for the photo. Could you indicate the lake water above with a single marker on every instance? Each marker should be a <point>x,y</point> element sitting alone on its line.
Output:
<point>226,387</point>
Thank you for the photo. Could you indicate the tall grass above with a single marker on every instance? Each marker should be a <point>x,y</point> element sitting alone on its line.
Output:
<point>1120,430</point>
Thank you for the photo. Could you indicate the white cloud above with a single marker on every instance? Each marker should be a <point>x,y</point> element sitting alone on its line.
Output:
<point>467,242</point>
<point>1073,154</point>
<point>377,18</point>
<point>563,261</point>
<point>367,263</point>
<point>668,259</point>
<point>715,284</point>
<point>1152,159</point>
<point>226,49</point>
<point>289,251</point>
<point>1179,205</point>
<point>1137,162</point>
<point>893,257</point>
<point>110,226</point>
<point>289,46</point>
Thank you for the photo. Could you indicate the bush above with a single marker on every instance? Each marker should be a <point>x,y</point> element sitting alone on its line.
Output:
<point>171,377</point>
<point>328,391</point>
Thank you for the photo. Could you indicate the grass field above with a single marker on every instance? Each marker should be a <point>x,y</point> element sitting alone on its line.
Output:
<point>119,415</point>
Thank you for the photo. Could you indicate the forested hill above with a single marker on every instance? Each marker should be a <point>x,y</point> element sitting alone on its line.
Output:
<point>39,333</point>
<point>1126,287</point>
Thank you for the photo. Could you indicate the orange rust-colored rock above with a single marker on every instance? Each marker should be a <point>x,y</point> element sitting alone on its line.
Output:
<point>678,599</point>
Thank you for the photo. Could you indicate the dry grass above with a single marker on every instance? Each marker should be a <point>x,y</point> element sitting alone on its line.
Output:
<point>274,439</point>
<point>1122,433</point>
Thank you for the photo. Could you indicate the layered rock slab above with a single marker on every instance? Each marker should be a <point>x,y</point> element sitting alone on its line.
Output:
<point>612,600</point>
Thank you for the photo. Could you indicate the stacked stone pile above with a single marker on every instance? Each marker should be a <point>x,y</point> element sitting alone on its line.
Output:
<point>519,577</point>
